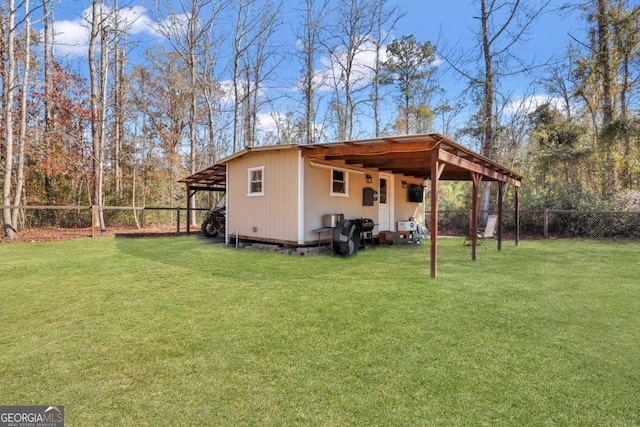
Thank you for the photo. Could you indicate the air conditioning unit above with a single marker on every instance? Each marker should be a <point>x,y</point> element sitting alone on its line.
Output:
<point>407,225</point>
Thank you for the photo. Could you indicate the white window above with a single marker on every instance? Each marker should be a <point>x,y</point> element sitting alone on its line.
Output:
<point>339,183</point>
<point>383,191</point>
<point>255,179</point>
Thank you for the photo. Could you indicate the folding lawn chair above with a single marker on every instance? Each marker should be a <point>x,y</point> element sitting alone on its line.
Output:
<point>488,232</point>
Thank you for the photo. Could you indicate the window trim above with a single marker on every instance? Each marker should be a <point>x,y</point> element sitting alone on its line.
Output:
<point>346,183</point>
<point>249,181</point>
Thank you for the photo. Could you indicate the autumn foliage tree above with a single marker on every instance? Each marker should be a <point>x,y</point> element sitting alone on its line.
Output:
<point>59,164</point>
<point>122,123</point>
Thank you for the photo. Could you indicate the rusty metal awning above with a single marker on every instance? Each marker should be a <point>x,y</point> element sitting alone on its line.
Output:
<point>213,178</point>
<point>412,156</point>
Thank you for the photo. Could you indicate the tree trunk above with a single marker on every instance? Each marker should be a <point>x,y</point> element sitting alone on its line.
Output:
<point>376,89</point>
<point>238,48</point>
<point>308,74</point>
<point>355,22</point>
<point>487,106</point>
<point>9,89</point>
<point>104,76</point>
<point>48,78</point>
<point>96,112</point>
<point>119,102</point>
<point>22,138</point>
<point>314,24</point>
<point>134,174</point>
<point>382,16</point>
<point>604,64</point>
<point>407,117</point>
<point>193,113</point>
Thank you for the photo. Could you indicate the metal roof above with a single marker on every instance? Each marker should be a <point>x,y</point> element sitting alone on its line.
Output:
<point>212,178</point>
<point>411,155</point>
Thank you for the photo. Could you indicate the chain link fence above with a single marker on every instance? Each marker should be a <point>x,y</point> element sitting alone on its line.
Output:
<point>45,223</point>
<point>551,224</point>
<point>48,223</point>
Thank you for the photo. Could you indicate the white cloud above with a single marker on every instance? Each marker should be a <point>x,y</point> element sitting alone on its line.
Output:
<point>268,123</point>
<point>278,127</point>
<point>174,24</point>
<point>529,104</point>
<point>72,36</point>
<point>226,89</point>
<point>364,62</point>
<point>137,20</point>
<point>332,66</point>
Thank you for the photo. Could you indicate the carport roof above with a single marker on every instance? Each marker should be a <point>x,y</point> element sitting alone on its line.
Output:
<point>411,155</point>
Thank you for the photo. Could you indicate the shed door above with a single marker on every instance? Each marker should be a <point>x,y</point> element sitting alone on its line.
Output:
<point>385,203</point>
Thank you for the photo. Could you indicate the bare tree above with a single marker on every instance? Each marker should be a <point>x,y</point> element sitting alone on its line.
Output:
<point>97,77</point>
<point>119,101</point>
<point>604,60</point>
<point>626,46</point>
<point>254,59</point>
<point>385,18</point>
<point>48,68</point>
<point>8,92</point>
<point>22,134</point>
<point>558,83</point>
<point>189,31</point>
<point>15,74</point>
<point>212,94</point>
<point>260,62</point>
<point>244,23</point>
<point>161,96</point>
<point>140,95</point>
<point>310,35</point>
<point>503,25</point>
<point>350,37</point>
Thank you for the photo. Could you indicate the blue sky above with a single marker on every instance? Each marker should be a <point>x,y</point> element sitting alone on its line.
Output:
<point>454,20</point>
<point>450,24</point>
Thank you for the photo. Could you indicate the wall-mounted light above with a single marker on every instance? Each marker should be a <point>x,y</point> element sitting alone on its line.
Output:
<point>404,184</point>
<point>369,179</point>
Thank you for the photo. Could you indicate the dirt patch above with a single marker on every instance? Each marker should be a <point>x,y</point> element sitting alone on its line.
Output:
<point>56,234</point>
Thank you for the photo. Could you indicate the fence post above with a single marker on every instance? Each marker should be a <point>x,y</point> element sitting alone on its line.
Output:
<point>178,221</point>
<point>94,218</point>
<point>546,223</point>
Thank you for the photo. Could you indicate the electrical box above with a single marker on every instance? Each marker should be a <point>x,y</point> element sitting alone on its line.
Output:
<point>407,225</point>
<point>369,196</point>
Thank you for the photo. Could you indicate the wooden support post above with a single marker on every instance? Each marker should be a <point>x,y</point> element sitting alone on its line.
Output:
<point>178,221</point>
<point>501,188</point>
<point>474,215</point>
<point>94,219</point>
<point>190,193</point>
<point>517,216</point>
<point>435,176</point>
<point>546,223</point>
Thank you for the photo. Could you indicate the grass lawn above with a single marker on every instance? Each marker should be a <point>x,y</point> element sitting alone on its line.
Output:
<point>177,331</point>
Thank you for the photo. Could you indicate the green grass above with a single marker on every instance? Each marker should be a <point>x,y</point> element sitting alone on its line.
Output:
<point>177,331</point>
